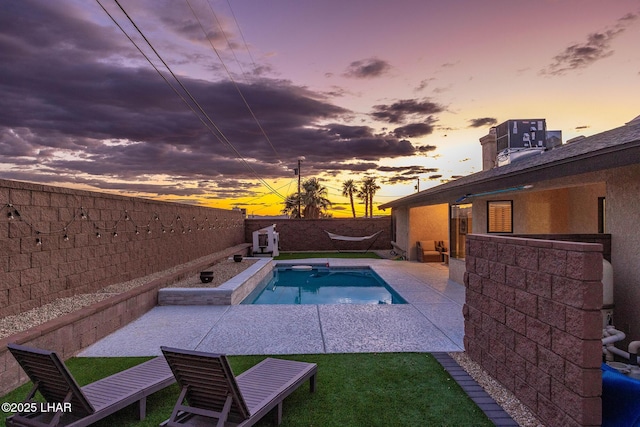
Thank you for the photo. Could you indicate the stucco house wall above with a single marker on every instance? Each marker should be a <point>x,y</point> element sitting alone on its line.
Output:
<point>401,221</point>
<point>428,223</point>
<point>568,210</point>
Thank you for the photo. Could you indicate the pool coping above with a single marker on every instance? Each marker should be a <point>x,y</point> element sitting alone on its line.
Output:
<point>236,289</point>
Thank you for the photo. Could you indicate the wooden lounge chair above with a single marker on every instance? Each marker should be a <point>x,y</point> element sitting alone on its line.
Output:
<point>213,392</point>
<point>73,406</point>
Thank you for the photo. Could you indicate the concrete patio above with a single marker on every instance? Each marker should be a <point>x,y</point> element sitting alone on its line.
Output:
<point>431,321</point>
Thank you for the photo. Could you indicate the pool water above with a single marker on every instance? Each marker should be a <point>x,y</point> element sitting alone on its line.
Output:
<point>323,285</point>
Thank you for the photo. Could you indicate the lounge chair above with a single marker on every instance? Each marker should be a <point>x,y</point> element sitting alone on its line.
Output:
<point>212,392</point>
<point>73,406</point>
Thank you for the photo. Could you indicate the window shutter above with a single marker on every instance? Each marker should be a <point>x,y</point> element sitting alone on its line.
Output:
<point>500,216</point>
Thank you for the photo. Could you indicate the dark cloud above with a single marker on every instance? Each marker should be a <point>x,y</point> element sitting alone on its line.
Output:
<point>367,68</point>
<point>596,47</point>
<point>407,169</point>
<point>422,149</point>
<point>399,179</point>
<point>398,112</point>
<point>403,174</point>
<point>413,130</point>
<point>423,84</point>
<point>334,167</point>
<point>71,109</point>
<point>482,122</point>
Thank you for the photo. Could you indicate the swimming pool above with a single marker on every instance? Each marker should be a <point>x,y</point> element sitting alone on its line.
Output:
<point>323,285</point>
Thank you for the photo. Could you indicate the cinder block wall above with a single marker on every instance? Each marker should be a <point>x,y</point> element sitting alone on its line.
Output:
<point>49,244</point>
<point>310,235</point>
<point>533,321</point>
<point>68,334</point>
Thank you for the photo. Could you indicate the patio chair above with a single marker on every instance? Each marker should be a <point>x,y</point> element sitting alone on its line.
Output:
<point>70,405</point>
<point>427,251</point>
<point>212,392</point>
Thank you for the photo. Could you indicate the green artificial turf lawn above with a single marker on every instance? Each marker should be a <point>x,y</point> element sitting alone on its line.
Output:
<point>302,255</point>
<point>373,389</point>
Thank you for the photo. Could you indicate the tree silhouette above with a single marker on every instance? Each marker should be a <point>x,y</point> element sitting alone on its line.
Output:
<point>372,188</point>
<point>313,200</point>
<point>348,190</point>
<point>368,188</point>
<point>291,206</point>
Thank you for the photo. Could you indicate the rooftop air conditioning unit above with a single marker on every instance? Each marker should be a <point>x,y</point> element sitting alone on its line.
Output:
<point>518,139</point>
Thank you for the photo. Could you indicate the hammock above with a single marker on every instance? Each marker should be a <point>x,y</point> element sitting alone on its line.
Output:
<point>333,236</point>
<point>374,236</point>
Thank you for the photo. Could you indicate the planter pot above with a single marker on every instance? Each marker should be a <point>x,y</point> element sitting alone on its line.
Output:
<point>206,276</point>
<point>237,258</point>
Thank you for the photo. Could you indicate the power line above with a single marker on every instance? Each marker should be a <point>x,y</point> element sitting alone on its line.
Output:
<point>228,72</point>
<point>266,194</point>
<point>222,138</point>
<point>242,35</point>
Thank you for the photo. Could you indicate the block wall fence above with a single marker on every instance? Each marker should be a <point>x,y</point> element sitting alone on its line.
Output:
<point>49,244</point>
<point>533,322</point>
<point>49,249</point>
<point>310,235</point>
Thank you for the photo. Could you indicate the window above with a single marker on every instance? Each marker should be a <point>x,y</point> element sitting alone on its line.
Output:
<point>500,216</point>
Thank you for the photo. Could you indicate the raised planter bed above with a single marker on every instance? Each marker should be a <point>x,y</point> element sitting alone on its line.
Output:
<point>233,291</point>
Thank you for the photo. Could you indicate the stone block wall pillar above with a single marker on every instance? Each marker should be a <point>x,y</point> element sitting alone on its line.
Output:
<point>533,322</point>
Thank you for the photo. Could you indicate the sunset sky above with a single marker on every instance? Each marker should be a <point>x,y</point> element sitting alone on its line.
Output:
<point>400,90</point>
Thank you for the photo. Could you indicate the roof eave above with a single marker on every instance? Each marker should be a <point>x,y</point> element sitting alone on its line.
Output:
<point>607,158</point>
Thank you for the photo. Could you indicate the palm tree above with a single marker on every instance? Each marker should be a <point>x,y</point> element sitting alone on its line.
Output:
<point>371,189</point>
<point>364,196</point>
<point>291,206</point>
<point>348,188</point>
<point>313,201</point>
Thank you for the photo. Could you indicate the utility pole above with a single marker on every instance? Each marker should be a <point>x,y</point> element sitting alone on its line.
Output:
<point>299,173</point>
<point>417,186</point>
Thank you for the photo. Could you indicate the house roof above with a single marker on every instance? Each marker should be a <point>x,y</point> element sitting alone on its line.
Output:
<point>610,149</point>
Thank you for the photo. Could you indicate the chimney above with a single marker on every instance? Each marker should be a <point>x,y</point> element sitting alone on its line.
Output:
<point>489,150</point>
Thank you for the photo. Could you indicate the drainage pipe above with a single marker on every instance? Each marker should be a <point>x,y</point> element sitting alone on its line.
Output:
<point>612,335</point>
<point>610,349</point>
<point>633,352</point>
